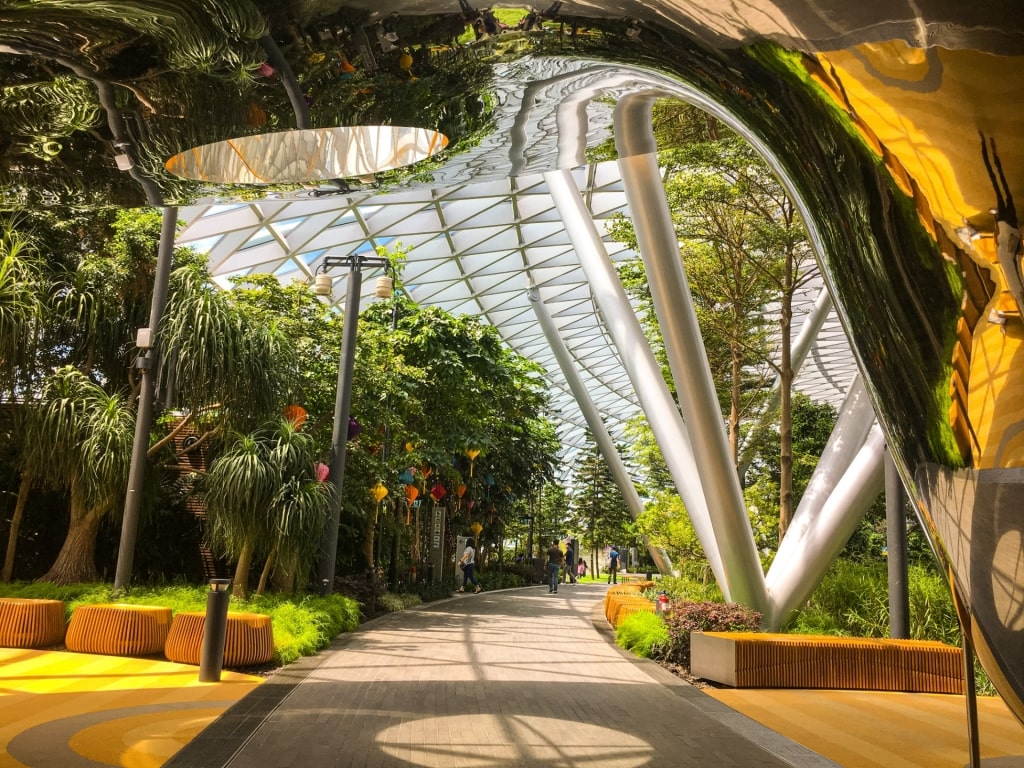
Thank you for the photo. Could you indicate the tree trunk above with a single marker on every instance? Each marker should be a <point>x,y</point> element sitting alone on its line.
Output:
<point>735,392</point>
<point>241,585</point>
<point>76,562</point>
<point>786,417</point>
<point>369,532</point>
<point>267,566</point>
<point>12,536</point>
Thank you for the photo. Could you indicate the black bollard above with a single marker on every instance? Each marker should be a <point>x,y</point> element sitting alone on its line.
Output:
<point>211,657</point>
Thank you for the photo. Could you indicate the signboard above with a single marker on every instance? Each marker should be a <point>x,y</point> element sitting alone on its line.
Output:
<point>437,518</point>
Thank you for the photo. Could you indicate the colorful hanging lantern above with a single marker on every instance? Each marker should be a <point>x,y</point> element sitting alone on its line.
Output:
<point>354,428</point>
<point>409,447</point>
<point>426,471</point>
<point>476,528</point>
<point>438,492</point>
<point>411,492</point>
<point>322,472</point>
<point>472,453</point>
<point>406,477</point>
<point>379,491</point>
<point>296,415</point>
<point>460,490</point>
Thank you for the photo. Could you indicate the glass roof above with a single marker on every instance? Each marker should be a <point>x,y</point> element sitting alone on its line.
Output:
<point>472,247</point>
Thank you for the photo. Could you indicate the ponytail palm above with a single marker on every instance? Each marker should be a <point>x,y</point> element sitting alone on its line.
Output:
<point>79,438</point>
<point>213,353</point>
<point>262,496</point>
<point>20,308</point>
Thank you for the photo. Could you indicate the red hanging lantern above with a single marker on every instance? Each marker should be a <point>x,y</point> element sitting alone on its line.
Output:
<point>438,492</point>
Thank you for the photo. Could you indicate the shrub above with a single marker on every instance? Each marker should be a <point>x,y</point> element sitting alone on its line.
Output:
<point>503,580</point>
<point>643,633</point>
<point>365,591</point>
<point>391,602</point>
<point>684,617</point>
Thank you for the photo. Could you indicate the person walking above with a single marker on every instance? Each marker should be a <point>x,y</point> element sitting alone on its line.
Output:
<point>570,561</point>
<point>554,565</point>
<point>468,565</point>
<point>581,569</point>
<point>613,565</point>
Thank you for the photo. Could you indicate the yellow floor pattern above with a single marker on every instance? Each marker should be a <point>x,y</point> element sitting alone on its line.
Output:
<point>869,729</point>
<point>59,708</point>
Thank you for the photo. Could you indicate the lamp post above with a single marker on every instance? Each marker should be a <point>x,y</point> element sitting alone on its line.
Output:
<point>342,402</point>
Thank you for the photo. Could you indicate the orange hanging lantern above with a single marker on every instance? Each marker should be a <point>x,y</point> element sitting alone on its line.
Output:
<point>438,492</point>
<point>295,414</point>
<point>460,490</point>
<point>426,471</point>
<point>379,491</point>
<point>411,492</point>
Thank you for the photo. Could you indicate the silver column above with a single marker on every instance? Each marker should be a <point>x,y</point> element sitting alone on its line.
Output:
<point>597,427</point>
<point>684,346</point>
<point>643,370</point>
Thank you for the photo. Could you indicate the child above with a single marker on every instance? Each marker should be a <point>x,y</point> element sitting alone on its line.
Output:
<point>581,569</point>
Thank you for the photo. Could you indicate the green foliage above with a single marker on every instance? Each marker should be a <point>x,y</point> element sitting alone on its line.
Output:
<point>684,617</point>
<point>391,601</point>
<point>694,584</point>
<point>642,633</point>
<point>302,625</point>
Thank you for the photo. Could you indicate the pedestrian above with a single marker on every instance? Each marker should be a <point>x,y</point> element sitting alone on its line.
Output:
<point>554,565</point>
<point>468,564</point>
<point>570,561</point>
<point>613,565</point>
<point>581,569</point>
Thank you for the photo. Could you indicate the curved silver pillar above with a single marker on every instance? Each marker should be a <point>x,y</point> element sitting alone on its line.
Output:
<point>644,373</point>
<point>846,482</point>
<point>597,426</point>
<point>684,346</point>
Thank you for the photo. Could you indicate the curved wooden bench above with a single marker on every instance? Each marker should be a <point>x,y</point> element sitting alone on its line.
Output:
<point>773,660</point>
<point>618,606</point>
<point>118,629</point>
<point>30,623</point>
<point>248,639</point>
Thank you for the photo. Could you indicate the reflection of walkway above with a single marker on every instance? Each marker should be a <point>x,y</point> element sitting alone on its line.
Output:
<point>512,678</point>
<point>74,710</point>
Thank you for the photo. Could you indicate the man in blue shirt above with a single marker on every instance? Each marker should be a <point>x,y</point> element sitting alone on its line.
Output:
<point>613,565</point>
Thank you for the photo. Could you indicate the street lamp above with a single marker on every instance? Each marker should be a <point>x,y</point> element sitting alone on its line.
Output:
<point>343,399</point>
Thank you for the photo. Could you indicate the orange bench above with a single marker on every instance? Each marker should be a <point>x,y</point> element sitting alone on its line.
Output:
<point>771,660</point>
<point>30,623</point>
<point>118,629</point>
<point>248,639</point>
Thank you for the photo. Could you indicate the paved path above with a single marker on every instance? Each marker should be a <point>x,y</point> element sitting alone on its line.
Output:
<point>509,678</point>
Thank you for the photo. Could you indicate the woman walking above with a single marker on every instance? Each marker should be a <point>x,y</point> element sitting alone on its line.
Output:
<point>468,564</point>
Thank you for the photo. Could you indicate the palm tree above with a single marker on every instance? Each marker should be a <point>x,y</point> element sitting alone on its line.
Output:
<point>262,496</point>
<point>79,438</point>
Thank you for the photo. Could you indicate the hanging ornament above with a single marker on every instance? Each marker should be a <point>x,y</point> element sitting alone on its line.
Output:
<point>476,528</point>
<point>295,414</point>
<point>438,492</point>
<point>460,490</point>
<point>409,447</point>
<point>471,504</point>
<point>406,477</point>
<point>426,471</point>
<point>379,491</point>
<point>322,472</point>
<point>354,428</point>
<point>489,479</point>
<point>411,492</point>
<point>472,453</point>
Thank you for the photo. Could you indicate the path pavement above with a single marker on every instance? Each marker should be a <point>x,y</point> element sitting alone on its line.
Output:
<point>509,678</point>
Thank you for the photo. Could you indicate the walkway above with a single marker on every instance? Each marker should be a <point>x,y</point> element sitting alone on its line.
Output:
<point>511,678</point>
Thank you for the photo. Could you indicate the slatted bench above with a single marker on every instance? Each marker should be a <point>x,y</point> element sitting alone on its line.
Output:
<point>248,639</point>
<point>30,623</point>
<point>118,629</point>
<point>767,660</point>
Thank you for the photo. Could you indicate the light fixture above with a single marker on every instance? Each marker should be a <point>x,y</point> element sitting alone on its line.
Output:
<point>322,284</point>
<point>308,155</point>
<point>385,287</point>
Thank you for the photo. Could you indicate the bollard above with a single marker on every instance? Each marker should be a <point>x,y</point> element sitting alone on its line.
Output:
<point>211,657</point>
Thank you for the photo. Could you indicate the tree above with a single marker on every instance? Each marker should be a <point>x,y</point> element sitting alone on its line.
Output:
<point>598,506</point>
<point>79,438</point>
<point>262,497</point>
